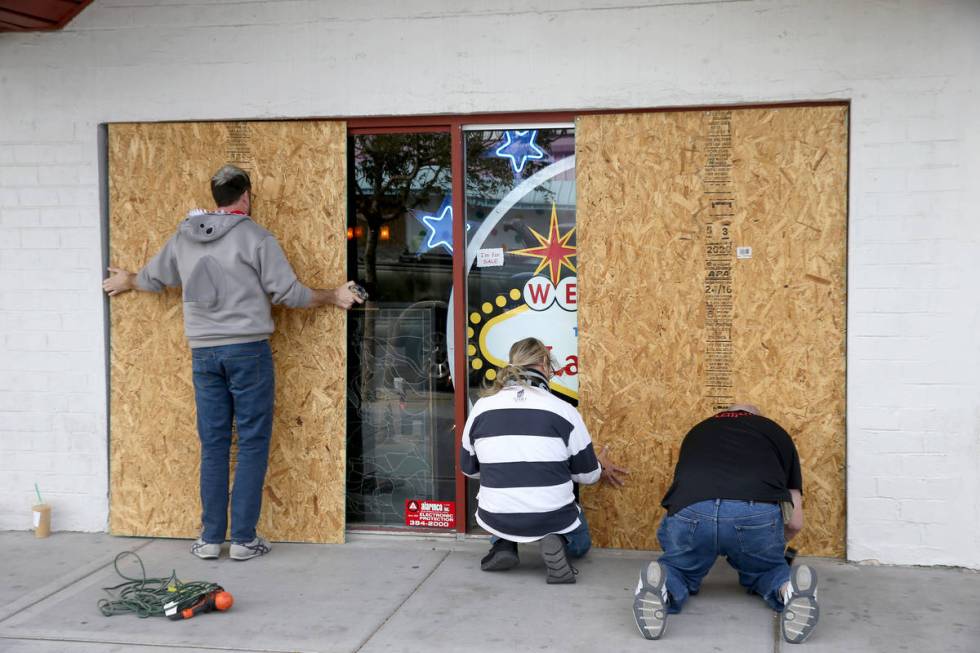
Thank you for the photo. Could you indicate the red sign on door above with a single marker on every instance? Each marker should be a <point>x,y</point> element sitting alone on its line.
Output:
<point>423,513</point>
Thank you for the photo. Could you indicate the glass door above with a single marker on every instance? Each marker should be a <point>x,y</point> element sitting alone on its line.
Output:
<point>400,420</point>
<point>520,253</point>
<point>439,322</point>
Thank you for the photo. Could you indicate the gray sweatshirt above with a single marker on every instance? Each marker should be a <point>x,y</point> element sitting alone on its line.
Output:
<point>230,269</point>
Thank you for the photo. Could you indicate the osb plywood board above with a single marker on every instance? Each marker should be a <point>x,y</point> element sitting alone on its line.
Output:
<point>157,172</point>
<point>677,318</point>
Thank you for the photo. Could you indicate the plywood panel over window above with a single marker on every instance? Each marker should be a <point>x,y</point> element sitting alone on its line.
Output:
<point>157,172</point>
<point>712,269</point>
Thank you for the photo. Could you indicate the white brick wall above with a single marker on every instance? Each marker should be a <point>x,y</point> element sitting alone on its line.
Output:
<point>910,69</point>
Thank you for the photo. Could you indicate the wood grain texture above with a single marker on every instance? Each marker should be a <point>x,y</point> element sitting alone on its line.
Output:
<point>644,208</point>
<point>157,172</point>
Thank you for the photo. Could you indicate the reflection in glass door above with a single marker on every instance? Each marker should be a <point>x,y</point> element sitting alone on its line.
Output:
<point>400,438</point>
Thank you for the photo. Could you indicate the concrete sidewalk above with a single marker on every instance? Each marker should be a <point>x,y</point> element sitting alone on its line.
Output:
<point>393,593</point>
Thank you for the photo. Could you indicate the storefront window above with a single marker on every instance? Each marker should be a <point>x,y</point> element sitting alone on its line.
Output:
<point>521,250</point>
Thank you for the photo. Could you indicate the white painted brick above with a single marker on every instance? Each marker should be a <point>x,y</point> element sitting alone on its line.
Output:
<point>32,320</point>
<point>71,153</point>
<point>24,421</point>
<point>933,129</point>
<point>17,217</point>
<point>66,216</point>
<point>37,153</point>
<point>72,381</point>
<point>58,175</point>
<point>39,197</point>
<point>891,442</point>
<point>887,180</point>
<point>9,197</point>
<point>913,487</point>
<point>87,239</point>
<point>75,422</point>
<point>38,361</point>
<point>84,321</point>
<point>879,132</point>
<point>45,259</point>
<point>72,341</point>
<point>927,512</point>
<point>26,342</point>
<point>936,178</point>
<point>24,381</point>
<point>39,239</point>
<point>877,509</point>
<point>895,533</point>
<point>18,176</point>
<point>83,403</point>
<point>10,238</point>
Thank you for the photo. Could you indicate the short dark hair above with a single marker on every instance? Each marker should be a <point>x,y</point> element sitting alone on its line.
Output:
<point>229,184</point>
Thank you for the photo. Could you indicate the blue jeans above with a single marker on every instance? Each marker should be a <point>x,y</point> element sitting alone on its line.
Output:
<point>233,382</point>
<point>577,542</point>
<point>748,534</point>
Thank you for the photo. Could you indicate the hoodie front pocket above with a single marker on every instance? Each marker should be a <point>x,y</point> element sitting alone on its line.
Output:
<point>206,283</point>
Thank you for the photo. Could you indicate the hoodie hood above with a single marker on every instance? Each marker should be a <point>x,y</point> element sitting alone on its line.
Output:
<point>205,227</point>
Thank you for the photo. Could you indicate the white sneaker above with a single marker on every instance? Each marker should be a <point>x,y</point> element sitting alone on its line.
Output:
<point>800,611</point>
<point>205,550</point>
<point>257,547</point>
<point>650,601</point>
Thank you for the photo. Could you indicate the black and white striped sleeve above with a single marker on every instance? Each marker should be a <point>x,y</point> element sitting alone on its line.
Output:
<point>468,462</point>
<point>582,461</point>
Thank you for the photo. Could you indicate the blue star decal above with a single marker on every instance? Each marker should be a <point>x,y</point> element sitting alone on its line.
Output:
<point>439,226</point>
<point>519,148</point>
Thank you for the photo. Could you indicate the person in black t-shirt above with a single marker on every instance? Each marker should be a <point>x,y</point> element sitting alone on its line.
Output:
<point>734,470</point>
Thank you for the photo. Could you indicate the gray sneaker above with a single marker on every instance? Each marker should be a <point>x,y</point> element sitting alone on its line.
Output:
<point>205,550</point>
<point>257,547</point>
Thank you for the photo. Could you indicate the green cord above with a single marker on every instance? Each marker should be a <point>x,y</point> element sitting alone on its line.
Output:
<point>146,596</point>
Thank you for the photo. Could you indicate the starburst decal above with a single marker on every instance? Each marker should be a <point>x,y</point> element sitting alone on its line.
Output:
<point>554,251</point>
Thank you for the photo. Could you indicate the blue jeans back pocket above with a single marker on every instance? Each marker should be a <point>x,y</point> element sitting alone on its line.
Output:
<point>678,533</point>
<point>759,538</point>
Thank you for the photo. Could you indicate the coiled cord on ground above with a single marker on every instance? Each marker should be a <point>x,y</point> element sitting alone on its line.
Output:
<point>146,597</point>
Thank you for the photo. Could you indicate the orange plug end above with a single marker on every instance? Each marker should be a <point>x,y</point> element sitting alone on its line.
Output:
<point>223,600</point>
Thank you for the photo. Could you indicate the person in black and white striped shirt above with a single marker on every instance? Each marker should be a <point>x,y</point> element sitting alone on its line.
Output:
<point>528,448</point>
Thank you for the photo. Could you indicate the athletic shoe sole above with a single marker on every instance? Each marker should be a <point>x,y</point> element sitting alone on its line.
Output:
<point>555,560</point>
<point>801,614</point>
<point>649,611</point>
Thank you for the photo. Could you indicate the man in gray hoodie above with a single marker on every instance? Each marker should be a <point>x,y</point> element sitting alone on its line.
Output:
<point>231,271</point>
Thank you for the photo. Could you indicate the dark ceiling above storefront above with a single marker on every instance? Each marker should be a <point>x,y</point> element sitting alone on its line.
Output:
<point>38,15</point>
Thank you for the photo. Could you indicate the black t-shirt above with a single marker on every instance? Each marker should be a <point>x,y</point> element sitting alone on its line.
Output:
<point>734,455</point>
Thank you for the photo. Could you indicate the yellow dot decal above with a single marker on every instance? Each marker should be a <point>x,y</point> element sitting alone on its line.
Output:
<point>515,293</point>
<point>476,363</point>
<point>487,307</point>
<point>475,317</point>
<point>491,375</point>
<point>470,332</point>
<point>501,300</point>
<point>471,350</point>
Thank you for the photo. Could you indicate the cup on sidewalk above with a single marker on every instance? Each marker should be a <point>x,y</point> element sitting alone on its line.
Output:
<point>42,520</point>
